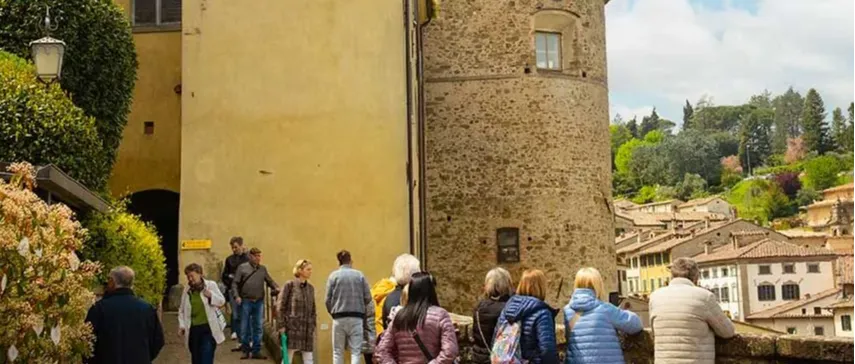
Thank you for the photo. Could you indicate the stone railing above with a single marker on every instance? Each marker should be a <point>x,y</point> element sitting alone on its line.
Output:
<point>742,349</point>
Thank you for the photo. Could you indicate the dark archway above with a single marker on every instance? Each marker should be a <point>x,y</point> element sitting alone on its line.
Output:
<point>160,207</point>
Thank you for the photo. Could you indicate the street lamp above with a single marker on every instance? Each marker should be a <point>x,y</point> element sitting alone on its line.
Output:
<point>47,53</point>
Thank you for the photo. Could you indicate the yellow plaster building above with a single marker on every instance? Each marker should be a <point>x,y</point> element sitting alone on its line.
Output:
<point>313,126</point>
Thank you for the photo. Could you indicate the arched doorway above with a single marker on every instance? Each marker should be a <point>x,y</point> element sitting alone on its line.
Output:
<point>160,207</point>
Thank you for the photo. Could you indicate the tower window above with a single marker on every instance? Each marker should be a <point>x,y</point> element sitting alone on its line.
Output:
<point>156,12</point>
<point>548,50</point>
<point>148,127</point>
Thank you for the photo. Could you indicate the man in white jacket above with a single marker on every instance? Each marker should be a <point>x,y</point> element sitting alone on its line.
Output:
<point>685,318</point>
<point>199,318</point>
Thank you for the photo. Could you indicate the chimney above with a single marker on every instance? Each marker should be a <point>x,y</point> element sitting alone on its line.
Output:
<point>706,222</point>
<point>693,233</point>
<point>638,238</point>
<point>734,241</point>
<point>707,248</point>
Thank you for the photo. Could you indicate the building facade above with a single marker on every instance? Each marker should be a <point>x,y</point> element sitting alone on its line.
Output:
<point>310,127</point>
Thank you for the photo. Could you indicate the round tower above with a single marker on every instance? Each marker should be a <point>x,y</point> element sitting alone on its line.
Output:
<point>517,158</point>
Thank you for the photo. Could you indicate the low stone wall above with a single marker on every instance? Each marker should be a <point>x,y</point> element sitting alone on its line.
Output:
<point>742,349</point>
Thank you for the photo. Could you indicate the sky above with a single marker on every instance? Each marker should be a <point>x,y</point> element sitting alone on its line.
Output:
<point>663,52</point>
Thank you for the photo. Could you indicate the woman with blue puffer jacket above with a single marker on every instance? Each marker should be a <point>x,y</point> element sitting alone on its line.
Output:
<point>536,319</point>
<point>590,323</point>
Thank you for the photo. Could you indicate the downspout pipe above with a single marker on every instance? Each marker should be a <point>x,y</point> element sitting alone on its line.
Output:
<point>420,70</point>
<point>409,75</point>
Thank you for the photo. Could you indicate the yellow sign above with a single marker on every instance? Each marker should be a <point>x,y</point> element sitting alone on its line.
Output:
<point>195,244</point>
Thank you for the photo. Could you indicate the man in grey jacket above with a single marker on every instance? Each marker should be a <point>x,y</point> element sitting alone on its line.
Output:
<point>349,302</point>
<point>248,291</point>
<point>684,318</point>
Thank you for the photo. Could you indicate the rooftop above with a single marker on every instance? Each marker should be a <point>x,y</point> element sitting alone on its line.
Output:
<point>844,303</point>
<point>660,203</point>
<point>699,201</point>
<point>780,310</point>
<point>670,244</point>
<point>849,186</point>
<point>765,248</point>
<point>639,218</point>
<point>825,203</point>
<point>801,233</point>
<point>637,246</point>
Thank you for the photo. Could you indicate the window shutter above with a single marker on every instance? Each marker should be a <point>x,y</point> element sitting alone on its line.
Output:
<point>170,11</point>
<point>145,12</point>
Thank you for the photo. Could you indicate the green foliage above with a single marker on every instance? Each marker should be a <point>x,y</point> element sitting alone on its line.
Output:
<point>720,118</point>
<point>821,172</point>
<point>100,63</point>
<point>688,111</point>
<point>795,167</point>
<point>730,178</point>
<point>632,126</point>
<point>667,163</point>
<point>619,134</point>
<point>624,155</point>
<point>654,137</point>
<point>842,131</point>
<point>807,196</point>
<point>120,238</point>
<point>645,194</point>
<point>39,124</point>
<point>692,186</point>
<point>754,142</point>
<point>788,113</point>
<point>759,200</point>
<point>813,121</point>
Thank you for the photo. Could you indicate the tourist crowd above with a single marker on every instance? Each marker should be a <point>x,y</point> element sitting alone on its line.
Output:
<point>400,320</point>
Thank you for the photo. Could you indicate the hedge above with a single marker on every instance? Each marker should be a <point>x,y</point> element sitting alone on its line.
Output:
<point>120,238</point>
<point>100,63</point>
<point>39,124</point>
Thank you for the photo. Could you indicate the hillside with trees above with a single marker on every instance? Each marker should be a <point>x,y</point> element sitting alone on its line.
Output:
<point>767,157</point>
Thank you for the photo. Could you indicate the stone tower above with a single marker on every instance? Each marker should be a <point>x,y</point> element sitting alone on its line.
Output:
<point>517,144</point>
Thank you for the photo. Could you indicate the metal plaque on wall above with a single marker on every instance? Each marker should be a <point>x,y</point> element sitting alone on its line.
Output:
<point>508,245</point>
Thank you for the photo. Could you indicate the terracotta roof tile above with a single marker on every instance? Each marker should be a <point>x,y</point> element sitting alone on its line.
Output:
<point>676,242</point>
<point>778,311</point>
<point>843,303</point>
<point>667,202</point>
<point>656,240</point>
<point>765,248</point>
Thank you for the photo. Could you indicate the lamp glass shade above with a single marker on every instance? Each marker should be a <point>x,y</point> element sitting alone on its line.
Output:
<point>47,55</point>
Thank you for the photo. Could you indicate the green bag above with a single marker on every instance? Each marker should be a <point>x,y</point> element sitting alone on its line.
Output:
<point>284,344</point>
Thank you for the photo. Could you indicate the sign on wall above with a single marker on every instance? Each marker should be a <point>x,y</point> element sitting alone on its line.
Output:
<point>195,244</point>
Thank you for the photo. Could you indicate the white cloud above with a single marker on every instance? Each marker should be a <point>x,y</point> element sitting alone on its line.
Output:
<point>667,51</point>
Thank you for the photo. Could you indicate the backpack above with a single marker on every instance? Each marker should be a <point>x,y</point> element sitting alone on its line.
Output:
<point>506,347</point>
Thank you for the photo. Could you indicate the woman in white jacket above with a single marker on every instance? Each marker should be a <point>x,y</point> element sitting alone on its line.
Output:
<point>198,316</point>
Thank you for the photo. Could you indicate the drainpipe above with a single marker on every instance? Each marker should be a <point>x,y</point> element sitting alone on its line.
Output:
<point>421,133</point>
<point>407,42</point>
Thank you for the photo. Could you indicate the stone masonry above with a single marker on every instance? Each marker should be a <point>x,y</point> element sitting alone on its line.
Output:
<point>512,146</point>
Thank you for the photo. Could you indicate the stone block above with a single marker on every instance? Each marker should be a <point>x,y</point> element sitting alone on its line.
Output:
<point>746,346</point>
<point>813,348</point>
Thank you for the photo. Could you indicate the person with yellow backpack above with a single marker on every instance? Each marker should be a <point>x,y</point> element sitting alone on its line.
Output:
<point>387,294</point>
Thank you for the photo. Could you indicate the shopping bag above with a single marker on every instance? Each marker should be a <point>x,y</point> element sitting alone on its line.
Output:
<point>283,342</point>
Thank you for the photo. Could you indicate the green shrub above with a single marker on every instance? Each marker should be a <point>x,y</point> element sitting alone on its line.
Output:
<point>822,172</point>
<point>100,63</point>
<point>39,124</point>
<point>797,167</point>
<point>759,200</point>
<point>120,238</point>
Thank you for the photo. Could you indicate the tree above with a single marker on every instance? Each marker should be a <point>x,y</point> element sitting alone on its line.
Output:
<point>754,132</point>
<point>795,150</point>
<point>692,186</point>
<point>619,136</point>
<point>632,126</point>
<point>618,120</point>
<point>688,111</point>
<point>821,172</point>
<point>839,129</point>
<point>731,171</point>
<point>668,162</point>
<point>789,183</point>
<point>649,123</point>
<point>720,118</point>
<point>39,124</point>
<point>762,100</point>
<point>623,157</point>
<point>100,63</point>
<point>813,121</point>
<point>788,112</point>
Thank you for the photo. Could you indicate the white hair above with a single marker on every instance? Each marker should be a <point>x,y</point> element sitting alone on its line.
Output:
<point>404,267</point>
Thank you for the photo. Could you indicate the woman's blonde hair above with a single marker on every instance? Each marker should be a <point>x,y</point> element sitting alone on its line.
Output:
<point>301,264</point>
<point>590,278</point>
<point>498,283</point>
<point>533,283</point>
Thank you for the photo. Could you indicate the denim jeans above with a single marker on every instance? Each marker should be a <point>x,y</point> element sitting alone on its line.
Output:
<point>347,330</point>
<point>202,344</point>
<point>235,325</point>
<point>250,319</point>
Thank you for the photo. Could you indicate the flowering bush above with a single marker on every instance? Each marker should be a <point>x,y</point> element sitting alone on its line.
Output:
<point>43,285</point>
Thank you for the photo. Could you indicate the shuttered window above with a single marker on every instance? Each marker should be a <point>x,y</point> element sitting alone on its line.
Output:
<point>157,12</point>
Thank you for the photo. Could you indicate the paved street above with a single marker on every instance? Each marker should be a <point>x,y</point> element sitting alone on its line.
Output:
<point>174,351</point>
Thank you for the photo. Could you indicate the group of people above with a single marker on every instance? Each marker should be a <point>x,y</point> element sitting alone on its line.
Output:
<point>399,320</point>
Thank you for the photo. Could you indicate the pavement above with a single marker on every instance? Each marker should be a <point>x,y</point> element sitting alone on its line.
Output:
<point>174,351</point>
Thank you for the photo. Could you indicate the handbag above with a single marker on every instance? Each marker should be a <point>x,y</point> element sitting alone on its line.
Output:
<point>221,319</point>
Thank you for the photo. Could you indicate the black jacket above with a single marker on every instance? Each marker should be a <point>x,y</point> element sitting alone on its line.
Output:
<point>486,314</point>
<point>392,299</point>
<point>232,263</point>
<point>127,330</point>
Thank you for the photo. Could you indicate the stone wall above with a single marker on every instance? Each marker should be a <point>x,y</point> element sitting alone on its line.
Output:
<point>511,146</point>
<point>742,349</point>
